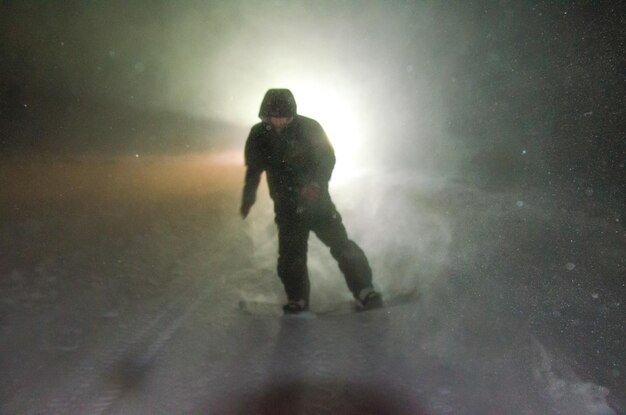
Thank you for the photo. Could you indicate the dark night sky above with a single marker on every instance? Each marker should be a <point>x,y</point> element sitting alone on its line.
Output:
<point>525,89</point>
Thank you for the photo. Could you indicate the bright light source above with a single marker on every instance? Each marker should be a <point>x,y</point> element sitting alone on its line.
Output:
<point>324,90</point>
<point>338,115</point>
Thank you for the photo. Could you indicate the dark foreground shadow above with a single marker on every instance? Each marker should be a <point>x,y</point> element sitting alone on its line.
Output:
<point>324,396</point>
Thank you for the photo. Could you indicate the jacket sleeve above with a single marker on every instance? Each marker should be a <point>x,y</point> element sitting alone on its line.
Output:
<point>323,157</point>
<point>254,168</point>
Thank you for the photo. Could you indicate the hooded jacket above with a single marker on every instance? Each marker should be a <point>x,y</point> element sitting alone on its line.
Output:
<point>299,155</point>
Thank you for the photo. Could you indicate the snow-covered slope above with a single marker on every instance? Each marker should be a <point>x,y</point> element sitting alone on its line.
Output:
<point>121,297</point>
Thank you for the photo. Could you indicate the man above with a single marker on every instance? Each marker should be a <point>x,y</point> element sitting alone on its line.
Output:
<point>298,160</point>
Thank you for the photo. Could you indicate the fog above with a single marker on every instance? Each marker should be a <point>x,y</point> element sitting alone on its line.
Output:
<point>509,93</point>
<point>480,161</point>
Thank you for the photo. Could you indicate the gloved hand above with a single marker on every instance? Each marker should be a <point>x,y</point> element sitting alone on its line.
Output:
<point>245,209</point>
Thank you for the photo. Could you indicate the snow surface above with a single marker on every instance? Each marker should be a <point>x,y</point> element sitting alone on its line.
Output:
<point>120,283</point>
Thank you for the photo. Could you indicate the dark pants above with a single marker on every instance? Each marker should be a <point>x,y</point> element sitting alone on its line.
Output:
<point>293,235</point>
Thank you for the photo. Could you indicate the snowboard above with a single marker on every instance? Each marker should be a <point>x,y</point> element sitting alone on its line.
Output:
<point>274,309</point>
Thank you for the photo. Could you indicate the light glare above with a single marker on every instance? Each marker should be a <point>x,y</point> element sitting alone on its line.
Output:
<point>338,115</point>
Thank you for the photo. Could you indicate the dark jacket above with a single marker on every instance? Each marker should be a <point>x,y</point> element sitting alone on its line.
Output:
<point>301,154</point>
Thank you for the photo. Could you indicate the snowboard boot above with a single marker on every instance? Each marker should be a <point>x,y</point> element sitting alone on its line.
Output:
<point>369,299</point>
<point>295,307</point>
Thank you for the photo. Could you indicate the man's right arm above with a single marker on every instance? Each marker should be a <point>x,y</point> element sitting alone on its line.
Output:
<point>254,169</point>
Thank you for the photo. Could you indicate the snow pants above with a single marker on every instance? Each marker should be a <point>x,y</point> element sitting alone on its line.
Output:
<point>293,235</point>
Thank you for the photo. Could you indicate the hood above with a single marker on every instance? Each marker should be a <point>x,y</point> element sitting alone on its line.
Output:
<point>278,103</point>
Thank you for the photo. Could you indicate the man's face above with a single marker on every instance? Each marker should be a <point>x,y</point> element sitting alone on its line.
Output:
<point>278,123</point>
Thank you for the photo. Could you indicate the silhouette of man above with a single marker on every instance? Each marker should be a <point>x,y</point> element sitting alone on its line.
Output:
<point>298,160</point>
